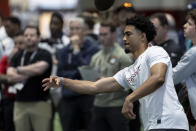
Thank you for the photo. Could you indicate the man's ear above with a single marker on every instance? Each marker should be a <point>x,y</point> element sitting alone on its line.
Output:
<point>143,37</point>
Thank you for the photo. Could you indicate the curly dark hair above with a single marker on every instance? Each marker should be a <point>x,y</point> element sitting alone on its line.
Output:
<point>144,25</point>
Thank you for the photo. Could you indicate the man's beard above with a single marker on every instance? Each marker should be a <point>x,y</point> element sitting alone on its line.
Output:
<point>127,51</point>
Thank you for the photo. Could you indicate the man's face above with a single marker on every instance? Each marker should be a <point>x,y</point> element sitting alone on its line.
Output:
<point>132,39</point>
<point>55,25</point>
<point>19,42</point>
<point>31,37</point>
<point>76,28</point>
<point>161,31</point>
<point>189,29</point>
<point>10,28</point>
<point>106,36</point>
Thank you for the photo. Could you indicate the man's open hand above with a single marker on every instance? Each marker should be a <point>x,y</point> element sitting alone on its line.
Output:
<point>52,82</point>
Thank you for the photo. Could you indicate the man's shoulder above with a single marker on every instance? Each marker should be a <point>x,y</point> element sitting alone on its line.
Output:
<point>97,55</point>
<point>90,43</point>
<point>18,54</point>
<point>172,45</point>
<point>192,51</point>
<point>43,53</point>
<point>156,50</point>
<point>40,50</point>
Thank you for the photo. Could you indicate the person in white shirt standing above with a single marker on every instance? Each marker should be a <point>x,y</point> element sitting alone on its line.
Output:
<point>185,69</point>
<point>12,26</point>
<point>150,77</point>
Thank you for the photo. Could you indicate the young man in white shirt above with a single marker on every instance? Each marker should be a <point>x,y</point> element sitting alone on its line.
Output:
<point>150,77</point>
<point>185,69</point>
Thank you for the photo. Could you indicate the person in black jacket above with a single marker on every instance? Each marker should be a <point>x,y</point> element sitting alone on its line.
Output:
<point>161,25</point>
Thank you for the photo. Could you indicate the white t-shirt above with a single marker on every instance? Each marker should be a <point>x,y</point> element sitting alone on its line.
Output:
<point>160,109</point>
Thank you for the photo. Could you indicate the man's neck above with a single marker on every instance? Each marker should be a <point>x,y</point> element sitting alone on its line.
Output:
<point>138,52</point>
<point>31,49</point>
<point>57,35</point>
<point>108,47</point>
<point>160,42</point>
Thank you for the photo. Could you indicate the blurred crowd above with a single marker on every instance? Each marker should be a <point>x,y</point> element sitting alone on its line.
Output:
<point>94,40</point>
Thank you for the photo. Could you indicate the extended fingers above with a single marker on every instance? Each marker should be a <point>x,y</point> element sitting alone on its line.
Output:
<point>58,81</point>
<point>127,110</point>
<point>45,80</point>
<point>129,114</point>
<point>52,78</point>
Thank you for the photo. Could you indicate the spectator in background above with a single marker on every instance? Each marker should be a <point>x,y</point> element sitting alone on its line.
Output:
<point>32,108</point>
<point>89,28</point>
<point>57,39</point>
<point>76,54</point>
<point>2,78</point>
<point>12,26</point>
<point>3,34</point>
<point>9,30</point>
<point>185,69</point>
<point>172,33</point>
<point>184,42</point>
<point>9,92</point>
<point>120,15</point>
<point>2,28</point>
<point>161,39</point>
<point>107,106</point>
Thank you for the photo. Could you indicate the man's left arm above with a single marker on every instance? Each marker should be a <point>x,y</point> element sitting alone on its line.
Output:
<point>33,69</point>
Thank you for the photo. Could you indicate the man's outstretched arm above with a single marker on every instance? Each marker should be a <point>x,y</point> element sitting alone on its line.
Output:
<point>108,84</point>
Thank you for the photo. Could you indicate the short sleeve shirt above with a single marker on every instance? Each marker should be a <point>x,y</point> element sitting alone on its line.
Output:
<point>160,109</point>
<point>32,90</point>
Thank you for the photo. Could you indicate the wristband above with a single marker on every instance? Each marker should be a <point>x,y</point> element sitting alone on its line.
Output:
<point>62,84</point>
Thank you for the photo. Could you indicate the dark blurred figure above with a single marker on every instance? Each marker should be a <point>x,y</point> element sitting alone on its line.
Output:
<point>9,92</point>
<point>2,78</point>
<point>172,33</point>
<point>75,109</point>
<point>57,39</point>
<point>161,39</point>
<point>12,27</point>
<point>89,28</point>
<point>120,15</point>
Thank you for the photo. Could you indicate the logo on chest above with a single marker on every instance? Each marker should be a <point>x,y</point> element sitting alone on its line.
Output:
<point>131,78</point>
